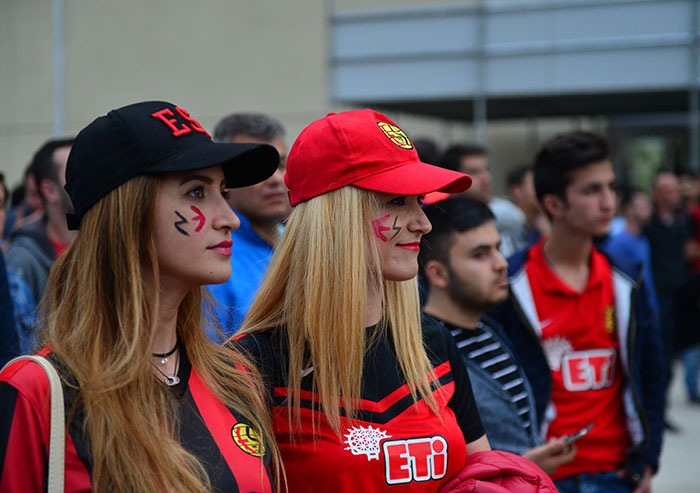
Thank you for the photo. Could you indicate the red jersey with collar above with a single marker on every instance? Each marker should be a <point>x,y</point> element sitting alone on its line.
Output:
<point>58,246</point>
<point>231,453</point>
<point>394,444</point>
<point>579,337</point>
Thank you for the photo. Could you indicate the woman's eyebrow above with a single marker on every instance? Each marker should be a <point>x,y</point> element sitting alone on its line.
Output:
<point>204,178</point>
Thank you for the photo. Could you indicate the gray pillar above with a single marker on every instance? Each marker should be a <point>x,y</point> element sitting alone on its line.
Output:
<point>693,96</point>
<point>58,91</point>
<point>480,96</point>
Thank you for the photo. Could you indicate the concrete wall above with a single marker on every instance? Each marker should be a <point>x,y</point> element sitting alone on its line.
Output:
<point>211,57</point>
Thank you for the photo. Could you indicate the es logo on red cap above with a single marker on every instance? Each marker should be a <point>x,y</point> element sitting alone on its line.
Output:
<point>396,135</point>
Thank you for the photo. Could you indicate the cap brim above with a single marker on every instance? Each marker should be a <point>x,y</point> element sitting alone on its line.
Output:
<point>243,164</point>
<point>416,178</point>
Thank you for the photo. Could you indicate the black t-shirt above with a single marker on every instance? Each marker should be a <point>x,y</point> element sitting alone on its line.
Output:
<point>394,444</point>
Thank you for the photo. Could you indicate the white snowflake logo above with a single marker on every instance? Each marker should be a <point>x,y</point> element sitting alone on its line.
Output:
<point>361,440</point>
<point>554,349</point>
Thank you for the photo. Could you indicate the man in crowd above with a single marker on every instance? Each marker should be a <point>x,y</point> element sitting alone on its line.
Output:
<point>630,243</point>
<point>466,277</point>
<point>9,344</point>
<point>582,328</point>
<point>671,233</point>
<point>34,247</point>
<point>527,229</point>
<point>262,209</point>
<point>471,159</point>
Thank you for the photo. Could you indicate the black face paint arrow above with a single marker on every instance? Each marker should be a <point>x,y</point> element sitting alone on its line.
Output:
<point>177,224</point>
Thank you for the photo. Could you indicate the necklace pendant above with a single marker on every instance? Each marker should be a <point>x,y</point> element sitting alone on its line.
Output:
<point>172,381</point>
<point>164,361</point>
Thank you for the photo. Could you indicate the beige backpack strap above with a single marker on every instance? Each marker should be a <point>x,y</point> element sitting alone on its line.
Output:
<point>57,439</point>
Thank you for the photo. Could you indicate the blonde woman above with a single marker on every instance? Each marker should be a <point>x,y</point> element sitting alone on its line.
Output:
<point>151,404</point>
<point>362,400</point>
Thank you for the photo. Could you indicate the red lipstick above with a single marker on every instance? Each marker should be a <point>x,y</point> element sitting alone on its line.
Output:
<point>415,246</point>
<point>223,248</point>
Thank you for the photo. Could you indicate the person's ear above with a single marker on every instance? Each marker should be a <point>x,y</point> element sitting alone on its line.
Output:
<point>49,190</point>
<point>436,274</point>
<point>515,191</point>
<point>553,205</point>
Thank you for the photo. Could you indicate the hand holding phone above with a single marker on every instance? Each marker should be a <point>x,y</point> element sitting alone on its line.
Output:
<point>579,434</point>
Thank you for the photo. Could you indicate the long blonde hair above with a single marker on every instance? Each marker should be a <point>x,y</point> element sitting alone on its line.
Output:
<point>317,286</point>
<point>99,314</point>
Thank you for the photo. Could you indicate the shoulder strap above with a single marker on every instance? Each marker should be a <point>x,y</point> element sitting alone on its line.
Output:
<point>57,438</point>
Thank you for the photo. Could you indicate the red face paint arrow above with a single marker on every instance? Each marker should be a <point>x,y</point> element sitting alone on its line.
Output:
<point>199,217</point>
<point>378,227</point>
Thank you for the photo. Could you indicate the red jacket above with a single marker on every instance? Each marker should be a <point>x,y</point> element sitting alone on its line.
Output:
<point>499,472</point>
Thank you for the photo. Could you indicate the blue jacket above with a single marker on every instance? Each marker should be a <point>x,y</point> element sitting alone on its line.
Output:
<point>640,353</point>
<point>9,344</point>
<point>250,256</point>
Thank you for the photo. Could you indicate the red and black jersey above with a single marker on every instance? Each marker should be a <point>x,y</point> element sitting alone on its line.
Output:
<point>394,444</point>
<point>225,445</point>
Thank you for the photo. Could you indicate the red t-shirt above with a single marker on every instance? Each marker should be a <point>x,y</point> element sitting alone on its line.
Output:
<point>394,444</point>
<point>228,449</point>
<point>579,337</point>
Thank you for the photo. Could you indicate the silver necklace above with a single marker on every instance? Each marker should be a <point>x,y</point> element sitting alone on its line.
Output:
<point>171,380</point>
<point>164,356</point>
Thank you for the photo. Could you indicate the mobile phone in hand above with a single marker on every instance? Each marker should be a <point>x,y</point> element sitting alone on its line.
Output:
<point>579,434</point>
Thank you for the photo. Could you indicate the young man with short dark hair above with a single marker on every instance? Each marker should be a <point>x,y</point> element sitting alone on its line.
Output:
<point>35,246</point>
<point>466,277</point>
<point>581,326</point>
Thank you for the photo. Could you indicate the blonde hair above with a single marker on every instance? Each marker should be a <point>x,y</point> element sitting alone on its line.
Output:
<point>317,286</point>
<point>99,313</point>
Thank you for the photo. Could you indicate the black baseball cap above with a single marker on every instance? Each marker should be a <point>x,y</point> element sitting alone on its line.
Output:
<point>149,138</point>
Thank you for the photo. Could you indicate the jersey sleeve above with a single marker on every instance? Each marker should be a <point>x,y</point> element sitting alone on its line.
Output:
<point>255,347</point>
<point>24,430</point>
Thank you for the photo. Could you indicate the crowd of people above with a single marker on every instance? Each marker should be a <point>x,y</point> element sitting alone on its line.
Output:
<point>360,313</point>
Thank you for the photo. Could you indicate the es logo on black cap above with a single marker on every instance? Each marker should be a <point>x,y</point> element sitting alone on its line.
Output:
<point>172,123</point>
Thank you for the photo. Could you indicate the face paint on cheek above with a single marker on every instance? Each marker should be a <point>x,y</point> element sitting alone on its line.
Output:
<point>396,228</point>
<point>379,228</point>
<point>199,217</point>
<point>179,223</point>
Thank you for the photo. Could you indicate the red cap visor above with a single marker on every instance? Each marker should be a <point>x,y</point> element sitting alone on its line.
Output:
<point>416,178</point>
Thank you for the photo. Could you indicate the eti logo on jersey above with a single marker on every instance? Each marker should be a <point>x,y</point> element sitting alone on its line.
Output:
<point>589,370</point>
<point>417,459</point>
<point>405,461</point>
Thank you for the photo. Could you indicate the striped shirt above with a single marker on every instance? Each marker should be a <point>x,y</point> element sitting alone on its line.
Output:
<point>479,345</point>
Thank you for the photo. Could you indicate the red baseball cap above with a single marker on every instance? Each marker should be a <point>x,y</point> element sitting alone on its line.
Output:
<point>365,149</point>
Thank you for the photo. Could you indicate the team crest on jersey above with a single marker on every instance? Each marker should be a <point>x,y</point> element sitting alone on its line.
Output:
<point>554,350</point>
<point>361,440</point>
<point>248,440</point>
<point>609,319</point>
<point>396,135</point>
